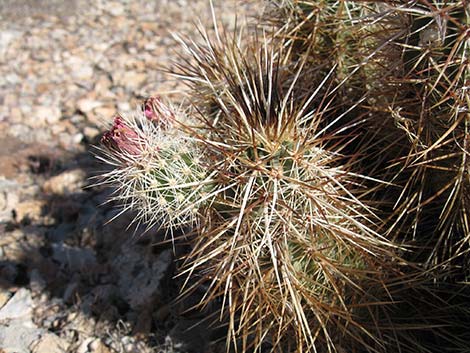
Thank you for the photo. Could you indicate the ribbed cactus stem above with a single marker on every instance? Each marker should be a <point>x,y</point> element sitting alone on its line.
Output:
<point>160,170</point>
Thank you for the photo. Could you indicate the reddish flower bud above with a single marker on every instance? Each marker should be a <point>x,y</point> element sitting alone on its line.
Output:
<point>157,112</point>
<point>122,138</point>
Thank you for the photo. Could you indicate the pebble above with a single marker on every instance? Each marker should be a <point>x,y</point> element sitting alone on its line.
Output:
<point>131,80</point>
<point>115,8</point>
<point>18,336</point>
<point>91,133</point>
<point>30,210</point>
<point>79,68</point>
<point>86,105</point>
<point>49,343</point>
<point>66,183</point>
<point>141,274</point>
<point>97,346</point>
<point>77,138</point>
<point>44,115</point>
<point>18,307</point>
<point>83,347</point>
<point>75,258</point>
<point>101,115</point>
<point>37,282</point>
<point>61,232</point>
<point>124,107</point>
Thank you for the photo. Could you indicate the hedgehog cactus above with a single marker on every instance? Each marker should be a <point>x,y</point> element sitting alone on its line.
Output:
<point>407,61</point>
<point>158,170</point>
<point>285,234</point>
<point>294,246</point>
<point>300,206</point>
<point>434,106</point>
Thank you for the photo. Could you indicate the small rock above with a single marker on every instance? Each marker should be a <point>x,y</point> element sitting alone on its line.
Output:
<point>21,131</point>
<point>37,282</point>
<point>83,323</point>
<point>80,68</point>
<point>77,138</point>
<point>18,307</point>
<point>124,107</point>
<point>30,210</point>
<point>90,132</point>
<point>44,115</point>
<point>83,347</point>
<point>49,343</point>
<point>17,336</point>
<point>57,128</point>
<point>68,182</point>
<point>102,86</point>
<point>97,346</point>
<point>141,275</point>
<point>12,78</point>
<point>9,238</point>
<point>61,232</point>
<point>86,105</point>
<point>115,8</point>
<point>75,258</point>
<point>131,80</point>
<point>101,114</point>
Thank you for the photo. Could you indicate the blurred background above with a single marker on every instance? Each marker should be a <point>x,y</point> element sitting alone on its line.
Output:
<point>72,280</point>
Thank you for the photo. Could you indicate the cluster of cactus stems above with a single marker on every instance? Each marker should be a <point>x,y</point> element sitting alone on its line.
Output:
<point>321,175</point>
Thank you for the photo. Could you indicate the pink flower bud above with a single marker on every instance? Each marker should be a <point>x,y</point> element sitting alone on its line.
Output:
<point>157,112</point>
<point>121,138</point>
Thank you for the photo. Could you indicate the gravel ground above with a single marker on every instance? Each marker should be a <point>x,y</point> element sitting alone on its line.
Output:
<point>70,280</point>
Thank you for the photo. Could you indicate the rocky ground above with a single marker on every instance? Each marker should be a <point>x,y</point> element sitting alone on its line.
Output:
<point>70,280</point>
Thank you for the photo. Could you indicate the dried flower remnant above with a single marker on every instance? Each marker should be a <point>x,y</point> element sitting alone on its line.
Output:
<point>158,113</point>
<point>121,138</point>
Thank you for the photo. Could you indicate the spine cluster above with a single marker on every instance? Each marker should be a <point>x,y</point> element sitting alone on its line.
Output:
<point>323,173</point>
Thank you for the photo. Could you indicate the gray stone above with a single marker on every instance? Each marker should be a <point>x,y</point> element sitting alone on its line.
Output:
<point>61,232</point>
<point>36,281</point>
<point>140,275</point>
<point>17,336</point>
<point>74,258</point>
<point>19,306</point>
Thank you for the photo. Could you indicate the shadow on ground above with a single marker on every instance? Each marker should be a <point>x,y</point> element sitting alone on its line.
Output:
<point>90,279</point>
